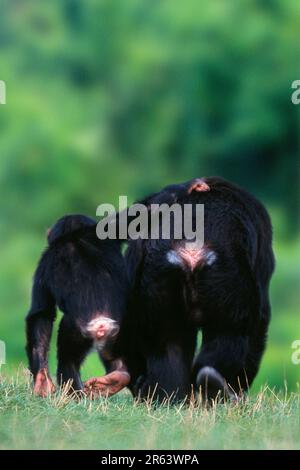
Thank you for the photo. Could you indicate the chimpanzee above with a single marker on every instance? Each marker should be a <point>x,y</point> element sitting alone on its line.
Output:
<point>220,289</point>
<point>86,279</point>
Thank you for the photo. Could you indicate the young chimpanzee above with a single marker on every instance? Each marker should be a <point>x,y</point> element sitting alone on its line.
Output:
<point>220,288</point>
<point>86,279</point>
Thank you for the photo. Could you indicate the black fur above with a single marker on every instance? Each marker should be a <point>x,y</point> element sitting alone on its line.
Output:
<point>80,275</point>
<point>228,301</point>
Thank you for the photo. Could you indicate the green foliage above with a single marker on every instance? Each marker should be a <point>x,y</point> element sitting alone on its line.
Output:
<point>111,97</point>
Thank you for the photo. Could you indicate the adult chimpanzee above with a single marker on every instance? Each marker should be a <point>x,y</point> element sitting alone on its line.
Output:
<point>86,279</point>
<point>220,289</point>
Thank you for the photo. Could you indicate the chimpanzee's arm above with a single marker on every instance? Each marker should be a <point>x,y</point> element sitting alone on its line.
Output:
<point>39,322</point>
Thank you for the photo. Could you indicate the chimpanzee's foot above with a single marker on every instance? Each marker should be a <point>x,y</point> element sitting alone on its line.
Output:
<point>107,385</point>
<point>212,385</point>
<point>43,385</point>
<point>137,386</point>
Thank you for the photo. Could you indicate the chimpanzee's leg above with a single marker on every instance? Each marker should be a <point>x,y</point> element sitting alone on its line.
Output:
<point>234,335</point>
<point>258,337</point>
<point>257,344</point>
<point>229,358</point>
<point>109,362</point>
<point>167,377</point>
<point>168,373</point>
<point>219,368</point>
<point>39,323</point>
<point>38,332</point>
<point>72,349</point>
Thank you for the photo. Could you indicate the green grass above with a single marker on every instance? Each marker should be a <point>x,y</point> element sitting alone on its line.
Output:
<point>266,420</point>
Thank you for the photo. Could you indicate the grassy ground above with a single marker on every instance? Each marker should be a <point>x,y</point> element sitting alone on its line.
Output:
<point>267,420</point>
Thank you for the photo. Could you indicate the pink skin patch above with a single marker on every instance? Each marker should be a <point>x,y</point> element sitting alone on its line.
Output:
<point>189,257</point>
<point>102,327</point>
<point>199,186</point>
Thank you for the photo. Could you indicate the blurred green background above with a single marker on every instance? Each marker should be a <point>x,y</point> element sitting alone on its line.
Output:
<point>122,97</point>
